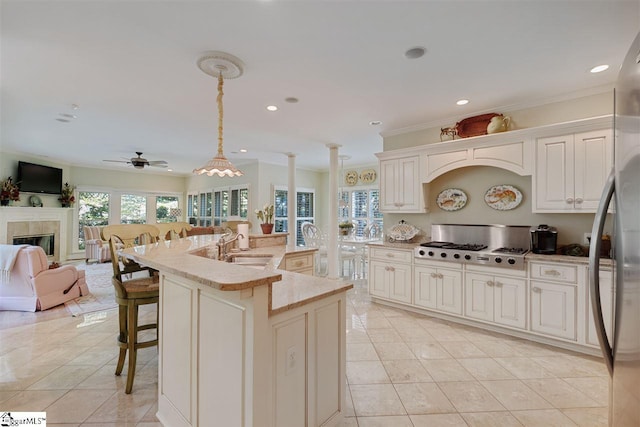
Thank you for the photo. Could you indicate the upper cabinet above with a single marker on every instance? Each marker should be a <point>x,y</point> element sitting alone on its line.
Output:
<point>571,171</point>
<point>400,185</point>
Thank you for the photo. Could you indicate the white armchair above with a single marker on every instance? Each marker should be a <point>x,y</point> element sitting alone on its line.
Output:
<point>94,247</point>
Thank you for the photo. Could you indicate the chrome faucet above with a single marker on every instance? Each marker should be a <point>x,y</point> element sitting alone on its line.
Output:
<point>222,245</point>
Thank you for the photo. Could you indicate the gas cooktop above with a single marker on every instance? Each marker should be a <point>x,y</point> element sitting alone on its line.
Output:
<point>472,253</point>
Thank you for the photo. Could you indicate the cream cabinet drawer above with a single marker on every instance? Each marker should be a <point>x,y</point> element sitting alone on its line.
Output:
<point>298,262</point>
<point>392,254</point>
<point>554,272</point>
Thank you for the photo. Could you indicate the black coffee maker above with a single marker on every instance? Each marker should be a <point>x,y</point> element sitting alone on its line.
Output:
<point>544,240</point>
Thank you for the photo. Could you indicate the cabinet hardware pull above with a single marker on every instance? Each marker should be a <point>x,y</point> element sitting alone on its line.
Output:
<point>389,255</point>
<point>578,201</point>
<point>299,263</point>
<point>498,284</point>
<point>569,200</point>
<point>386,268</point>
<point>440,276</point>
<point>434,275</point>
<point>490,282</point>
<point>392,269</point>
<point>551,273</point>
<point>536,289</point>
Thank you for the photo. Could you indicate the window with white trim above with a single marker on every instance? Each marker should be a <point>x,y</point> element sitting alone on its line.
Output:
<point>305,211</point>
<point>362,206</point>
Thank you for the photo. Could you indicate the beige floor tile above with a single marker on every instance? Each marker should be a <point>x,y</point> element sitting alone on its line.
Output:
<point>560,394</point>
<point>523,367</point>
<point>150,416</point>
<point>428,350</point>
<point>597,388</point>
<point>6,395</point>
<point>515,395</point>
<point>367,372</point>
<point>543,418</point>
<point>121,407</point>
<point>146,424</point>
<point>104,379</point>
<point>384,335</point>
<point>361,351</point>
<point>97,356</point>
<point>29,401</point>
<point>562,366</point>
<point>423,398</point>
<point>21,378</point>
<point>65,377</point>
<point>470,396</point>
<point>77,405</point>
<point>404,323</point>
<point>348,422</point>
<point>387,421</point>
<point>532,349</point>
<point>348,407</point>
<point>357,336</point>
<point>442,370</point>
<point>406,371</point>
<point>375,322</point>
<point>376,399</point>
<point>496,348</point>
<point>446,335</point>
<point>589,417</point>
<point>462,349</point>
<point>416,335</point>
<point>393,351</point>
<point>491,419</point>
<point>596,366</point>
<point>440,420</point>
<point>485,369</point>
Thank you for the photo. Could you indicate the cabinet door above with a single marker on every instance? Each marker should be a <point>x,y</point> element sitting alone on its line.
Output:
<point>449,291</point>
<point>606,299</point>
<point>479,296</point>
<point>425,287</point>
<point>400,282</point>
<point>554,173</point>
<point>388,185</point>
<point>510,301</point>
<point>378,282</point>
<point>400,185</point>
<point>593,161</point>
<point>553,309</point>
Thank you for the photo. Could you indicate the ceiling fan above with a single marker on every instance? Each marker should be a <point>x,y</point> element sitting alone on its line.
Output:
<point>140,162</point>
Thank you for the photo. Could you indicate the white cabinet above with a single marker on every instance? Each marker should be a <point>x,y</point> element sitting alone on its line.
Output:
<point>498,299</point>
<point>606,300</point>
<point>571,171</point>
<point>553,309</point>
<point>438,288</point>
<point>390,274</point>
<point>401,186</point>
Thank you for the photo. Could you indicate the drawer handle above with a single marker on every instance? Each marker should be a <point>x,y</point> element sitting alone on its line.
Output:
<point>299,263</point>
<point>569,200</point>
<point>578,200</point>
<point>434,275</point>
<point>490,282</point>
<point>536,289</point>
<point>440,276</point>
<point>551,273</point>
<point>498,284</point>
<point>390,255</point>
<point>392,269</point>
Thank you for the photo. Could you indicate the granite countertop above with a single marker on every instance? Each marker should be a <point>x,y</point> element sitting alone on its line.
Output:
<point>188,258</point>
<point>566,259</point>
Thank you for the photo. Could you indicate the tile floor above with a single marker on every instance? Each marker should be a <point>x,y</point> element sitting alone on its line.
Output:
<point>403,369</point>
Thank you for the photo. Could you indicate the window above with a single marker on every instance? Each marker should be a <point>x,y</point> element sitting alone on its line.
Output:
<point>361,206</point>
<point>133,209</point>
<point>167,209</point>
<point>93,210</point>
<point>230,202</point>
<point>192,209</point>
<point>199,209</point>
<point>305,211</point>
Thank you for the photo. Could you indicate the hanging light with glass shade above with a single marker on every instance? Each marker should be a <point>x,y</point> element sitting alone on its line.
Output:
<point>222,66</point>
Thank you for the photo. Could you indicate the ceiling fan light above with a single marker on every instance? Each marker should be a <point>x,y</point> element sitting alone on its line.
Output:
<point>220,166</point>
<point>138,165</point>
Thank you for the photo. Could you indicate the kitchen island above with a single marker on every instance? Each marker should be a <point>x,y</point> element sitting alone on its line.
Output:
<point>245,345</point>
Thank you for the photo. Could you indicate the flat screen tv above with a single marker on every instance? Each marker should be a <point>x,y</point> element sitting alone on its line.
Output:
<point>34,178</point>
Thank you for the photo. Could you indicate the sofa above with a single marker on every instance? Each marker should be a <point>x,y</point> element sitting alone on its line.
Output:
<point>94,247</point>
<point>32,285</point>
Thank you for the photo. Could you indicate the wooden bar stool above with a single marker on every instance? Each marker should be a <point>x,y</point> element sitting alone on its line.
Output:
<point>132,293</point>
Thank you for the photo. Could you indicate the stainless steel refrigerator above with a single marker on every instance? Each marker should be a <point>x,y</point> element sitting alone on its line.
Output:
<point>621,350</point>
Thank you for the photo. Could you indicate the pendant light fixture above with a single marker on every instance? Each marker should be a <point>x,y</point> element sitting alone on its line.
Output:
<point>222,66</point>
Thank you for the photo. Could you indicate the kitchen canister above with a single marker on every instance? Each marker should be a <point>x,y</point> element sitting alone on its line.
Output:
<point>243,236</point>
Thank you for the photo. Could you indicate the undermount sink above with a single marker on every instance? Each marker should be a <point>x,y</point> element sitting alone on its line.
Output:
<point>250,259</point>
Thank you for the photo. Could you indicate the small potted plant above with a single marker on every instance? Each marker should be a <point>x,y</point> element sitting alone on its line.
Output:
<point>345,228</point>
<point>266,218</point>
<point>66,197</point>
<point>8,191</point>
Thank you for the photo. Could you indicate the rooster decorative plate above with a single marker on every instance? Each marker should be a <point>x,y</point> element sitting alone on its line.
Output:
<point>451,199</point>
<point>351,177</point>
<point>503,197</point>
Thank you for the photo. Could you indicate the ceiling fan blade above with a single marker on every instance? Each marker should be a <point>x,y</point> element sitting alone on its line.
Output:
<point>157,163</point>
<point>116,161</point>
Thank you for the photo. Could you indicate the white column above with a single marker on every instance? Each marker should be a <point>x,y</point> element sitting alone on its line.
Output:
<point>332,231</point>
<point>292,202</point>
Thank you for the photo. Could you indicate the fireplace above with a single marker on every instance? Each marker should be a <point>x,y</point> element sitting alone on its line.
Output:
<point>45,241</point>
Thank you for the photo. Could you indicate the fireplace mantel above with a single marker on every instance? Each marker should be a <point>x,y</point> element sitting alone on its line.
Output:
<point>28,214</point>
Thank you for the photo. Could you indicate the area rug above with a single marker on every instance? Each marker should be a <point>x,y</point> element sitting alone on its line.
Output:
<point>101,295</point>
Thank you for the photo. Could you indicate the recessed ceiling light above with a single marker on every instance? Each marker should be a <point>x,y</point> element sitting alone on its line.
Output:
<point>375,122</point>
<point>415,52</point>
<point>75,106</point>
<point>244,150</point>
<point>462,102</point>
<point>291,100</point>
<point>70,116</point>
<point>63,120</point>
<point>599,68</point>
<point>169,170</point>
<point>272,108</point>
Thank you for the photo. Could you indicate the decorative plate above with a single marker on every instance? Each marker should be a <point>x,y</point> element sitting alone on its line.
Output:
<point>451,199</point>
<point>368,176</point>
<point>35,201</point>
<point>503,197</point>
<point>351,177</point>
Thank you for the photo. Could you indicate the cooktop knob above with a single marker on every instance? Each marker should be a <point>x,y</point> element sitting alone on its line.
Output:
<point>421,252</point>
<point>456,256</point>
<point>511,261</point>
<point>498,260</point>
<point>430,253</point>
<point>443,255</point>
<point>467,257</point>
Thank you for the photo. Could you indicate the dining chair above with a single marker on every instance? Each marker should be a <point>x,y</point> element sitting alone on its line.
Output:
<point>313,238</point>
<point>132,293</point>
